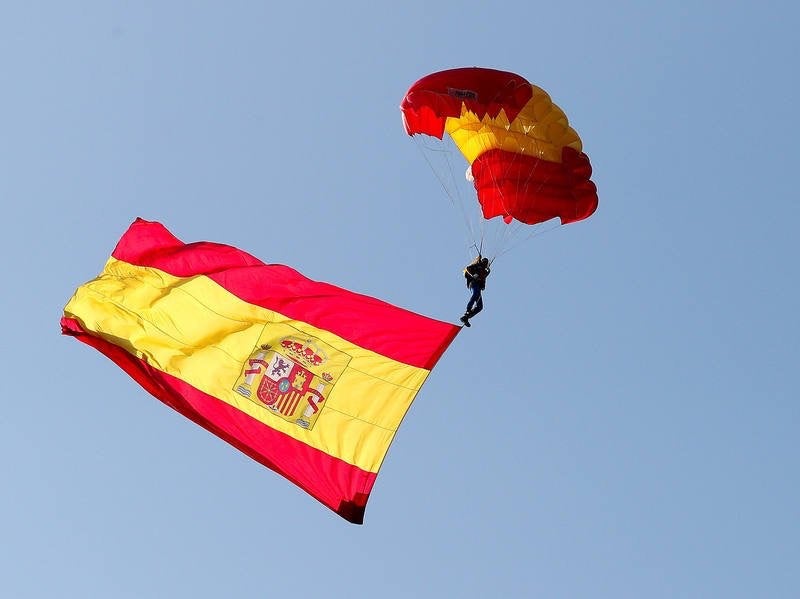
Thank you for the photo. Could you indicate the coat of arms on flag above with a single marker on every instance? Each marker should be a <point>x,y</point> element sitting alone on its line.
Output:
<point>291,374</point>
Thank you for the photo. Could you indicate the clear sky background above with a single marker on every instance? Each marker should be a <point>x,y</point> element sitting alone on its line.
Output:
<point>620,422</point>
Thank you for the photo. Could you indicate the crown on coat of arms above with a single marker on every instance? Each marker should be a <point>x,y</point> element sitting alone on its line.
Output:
<point>304,351</point>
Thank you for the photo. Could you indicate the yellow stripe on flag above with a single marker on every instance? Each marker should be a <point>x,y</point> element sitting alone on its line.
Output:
<point>195,330</point>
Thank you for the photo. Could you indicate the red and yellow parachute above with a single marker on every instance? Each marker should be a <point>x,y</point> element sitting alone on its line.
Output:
<point>526,162</point>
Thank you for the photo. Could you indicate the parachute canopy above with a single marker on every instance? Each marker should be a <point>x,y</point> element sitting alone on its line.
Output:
<point>307,378</point>
<point>526,162</point>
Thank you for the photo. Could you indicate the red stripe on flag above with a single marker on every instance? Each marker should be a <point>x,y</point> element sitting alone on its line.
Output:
<point>370,323</point>
<point>341,486</point>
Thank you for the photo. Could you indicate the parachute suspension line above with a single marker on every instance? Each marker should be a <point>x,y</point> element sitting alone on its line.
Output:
<point>423,149</point>
<point>446,177</point>
<point>505,233</point>
<point>517,233</point>
<point>458,186</point>
<point>531,231</point>
<point>536,231</point>
<point>541,228</point>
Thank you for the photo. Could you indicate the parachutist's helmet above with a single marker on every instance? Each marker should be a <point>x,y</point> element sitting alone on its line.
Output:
<point>485,261</point>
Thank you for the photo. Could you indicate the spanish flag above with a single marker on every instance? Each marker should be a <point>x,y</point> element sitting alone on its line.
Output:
<point>307,378</point>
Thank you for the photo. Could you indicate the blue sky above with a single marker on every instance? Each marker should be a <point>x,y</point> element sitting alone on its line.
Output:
<point>621,421</point>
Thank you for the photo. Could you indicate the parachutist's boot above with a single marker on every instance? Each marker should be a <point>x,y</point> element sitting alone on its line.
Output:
<point>465,320</point>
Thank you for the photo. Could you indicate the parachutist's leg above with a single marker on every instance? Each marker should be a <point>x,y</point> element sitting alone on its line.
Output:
<point>477,307</point>
<point>474,300</point>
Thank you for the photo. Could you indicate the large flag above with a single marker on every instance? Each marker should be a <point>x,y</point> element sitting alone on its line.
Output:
<point>307,378</point>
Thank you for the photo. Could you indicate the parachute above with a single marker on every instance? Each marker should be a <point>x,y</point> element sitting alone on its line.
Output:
<point>526,163</point>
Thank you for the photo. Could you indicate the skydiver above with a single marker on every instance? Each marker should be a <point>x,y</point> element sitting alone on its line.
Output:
<point>476,273</point>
